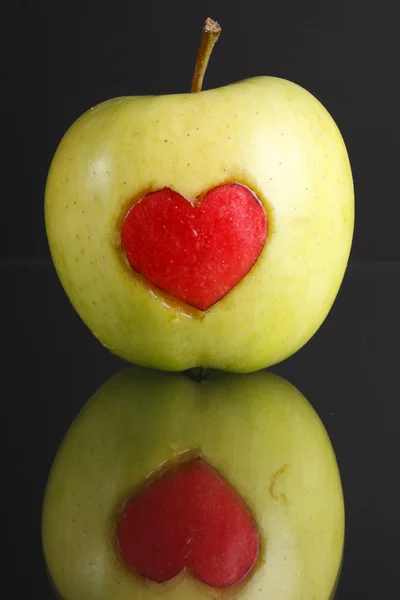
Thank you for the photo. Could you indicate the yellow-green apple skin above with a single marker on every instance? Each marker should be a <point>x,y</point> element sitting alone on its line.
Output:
<point>256,429</point>
<point>267,133</point>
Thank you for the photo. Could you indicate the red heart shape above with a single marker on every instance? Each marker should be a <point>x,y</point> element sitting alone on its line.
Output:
<point>189,518</point>
<point>195,253</point>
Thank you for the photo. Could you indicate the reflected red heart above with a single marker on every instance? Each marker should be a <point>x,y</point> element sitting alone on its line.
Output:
<point>196,253</point>
<point>189,518</point>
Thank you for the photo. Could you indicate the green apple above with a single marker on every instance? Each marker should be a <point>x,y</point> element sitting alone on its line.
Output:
<point>265,133</point>
<point>256,430</point>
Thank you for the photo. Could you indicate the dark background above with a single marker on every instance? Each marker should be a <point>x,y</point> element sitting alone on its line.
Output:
<point>64,57</point>
<point>59,59</point>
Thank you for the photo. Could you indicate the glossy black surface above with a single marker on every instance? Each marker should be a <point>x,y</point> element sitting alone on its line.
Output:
<point>348,371</point>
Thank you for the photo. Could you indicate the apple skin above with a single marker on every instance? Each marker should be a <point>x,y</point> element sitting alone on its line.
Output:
<point>256,429</point>
<point>266,133</point>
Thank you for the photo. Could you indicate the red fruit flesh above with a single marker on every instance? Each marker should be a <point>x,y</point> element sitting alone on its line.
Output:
<point>189,518</point>
<point>195,253</point>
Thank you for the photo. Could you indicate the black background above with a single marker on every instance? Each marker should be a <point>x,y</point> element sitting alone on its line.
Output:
<point>64,57</point>
<point>59,59</point>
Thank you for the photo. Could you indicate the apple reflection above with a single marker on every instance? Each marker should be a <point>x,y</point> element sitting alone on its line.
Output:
<point>263,441</point>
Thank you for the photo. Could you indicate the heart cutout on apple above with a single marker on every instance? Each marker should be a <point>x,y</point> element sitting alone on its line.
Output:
<point>189,518</point>
<point>196,253</point>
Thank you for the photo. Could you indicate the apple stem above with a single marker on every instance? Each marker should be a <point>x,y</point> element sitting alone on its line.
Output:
<point>209,37</point>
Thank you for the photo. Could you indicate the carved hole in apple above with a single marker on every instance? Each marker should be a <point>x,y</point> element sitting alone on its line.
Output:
<point>189,518</point>
<point>199,252</point>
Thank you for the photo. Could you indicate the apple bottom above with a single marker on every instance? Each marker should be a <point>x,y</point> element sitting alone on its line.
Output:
<point>262,454</point>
